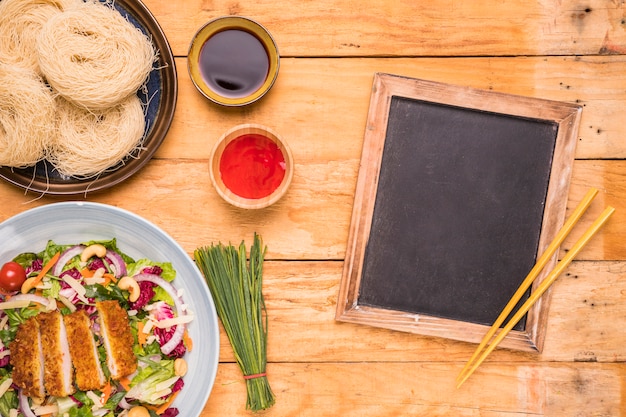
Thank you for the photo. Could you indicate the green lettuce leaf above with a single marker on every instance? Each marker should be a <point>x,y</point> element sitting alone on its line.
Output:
<point>150,373</point>
<point>7,402</point>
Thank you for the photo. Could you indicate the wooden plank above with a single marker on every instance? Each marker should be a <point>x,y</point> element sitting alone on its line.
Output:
<point>312,220</point>
<point>409,28</point>
<point>586,314</point>
<point>320,105</point>
<point>427,388</point>
<point>310,94</point>
<point>585,323</point>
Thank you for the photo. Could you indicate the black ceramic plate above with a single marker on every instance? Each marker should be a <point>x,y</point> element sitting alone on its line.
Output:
<point>160,99</point>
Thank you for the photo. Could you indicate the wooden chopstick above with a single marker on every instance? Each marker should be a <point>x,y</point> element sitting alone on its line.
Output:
<point>535,295</point>
<point>532,275</point>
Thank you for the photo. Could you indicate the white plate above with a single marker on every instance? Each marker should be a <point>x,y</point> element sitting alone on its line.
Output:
<point>74,222</point>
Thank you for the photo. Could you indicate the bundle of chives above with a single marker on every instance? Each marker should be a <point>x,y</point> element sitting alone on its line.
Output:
<point>237,291</point>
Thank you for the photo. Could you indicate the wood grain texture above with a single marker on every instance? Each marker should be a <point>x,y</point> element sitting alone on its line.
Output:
<point>334,94</point>
<point>340,368</point>
<point>410,28</point>
<point>312,220</point>
<point>414,389</point>
<point>586,306</point>
<point>564,50</point>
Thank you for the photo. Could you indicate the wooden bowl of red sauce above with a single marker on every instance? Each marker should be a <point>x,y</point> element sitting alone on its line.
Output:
<point>251,166</point>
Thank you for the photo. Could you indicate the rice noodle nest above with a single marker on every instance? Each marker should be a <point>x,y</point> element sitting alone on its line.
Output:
<point>88,143</point>
<point>27,117</point>
<point>20,24</point>
<point>93,56</point>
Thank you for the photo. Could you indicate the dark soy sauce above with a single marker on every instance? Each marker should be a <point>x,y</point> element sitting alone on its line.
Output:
<point>234,63</point>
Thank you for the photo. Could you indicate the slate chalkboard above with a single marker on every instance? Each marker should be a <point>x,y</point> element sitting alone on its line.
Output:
<point>459,191</point>
<point>448,222</point>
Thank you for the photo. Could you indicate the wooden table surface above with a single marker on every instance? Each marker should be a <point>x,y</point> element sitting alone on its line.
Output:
<point>566,50</point>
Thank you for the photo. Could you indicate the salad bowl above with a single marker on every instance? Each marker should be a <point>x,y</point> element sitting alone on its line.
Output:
<point>75,222</point>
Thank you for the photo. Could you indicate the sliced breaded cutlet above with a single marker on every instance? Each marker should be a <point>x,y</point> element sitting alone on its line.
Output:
<point>58,372</point>
<point>117,338</point>
<point>84,352</point>
<point>27,359</point>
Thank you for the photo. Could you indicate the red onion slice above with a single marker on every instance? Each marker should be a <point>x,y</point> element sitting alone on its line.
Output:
<point>65,257</point>
<point>117,262</point>
<point>177,336</point>
<point>124,404</point>
<point>24,406</point>
<point>32,298</point>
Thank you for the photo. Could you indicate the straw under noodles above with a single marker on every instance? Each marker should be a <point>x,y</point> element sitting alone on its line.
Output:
<point>27,117</point>
<point>93,56</point>
<point>90,142</point>
<point>20,24</point>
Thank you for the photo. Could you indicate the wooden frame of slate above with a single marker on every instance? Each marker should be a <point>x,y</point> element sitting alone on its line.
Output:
<point>459,192</point>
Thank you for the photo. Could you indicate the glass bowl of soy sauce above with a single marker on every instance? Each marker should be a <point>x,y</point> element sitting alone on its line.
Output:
<point>233,60</point>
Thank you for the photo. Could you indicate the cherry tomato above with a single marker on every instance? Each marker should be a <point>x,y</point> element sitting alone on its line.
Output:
<point>12,276</point>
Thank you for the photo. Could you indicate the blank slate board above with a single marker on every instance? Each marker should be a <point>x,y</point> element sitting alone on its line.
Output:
<point>459,192</point>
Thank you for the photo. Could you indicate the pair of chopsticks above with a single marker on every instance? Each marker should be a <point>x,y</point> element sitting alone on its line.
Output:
<point>487,345</point>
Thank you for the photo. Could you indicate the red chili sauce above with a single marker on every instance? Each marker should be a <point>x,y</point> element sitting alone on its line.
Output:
<point>252,166</point>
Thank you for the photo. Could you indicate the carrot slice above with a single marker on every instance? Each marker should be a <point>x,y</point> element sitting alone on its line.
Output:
<point>90,273</point>
<point>46,268</point>
<point>106,392</point>
<point>125,383</point>
<point>108,278</point>
<point>166,404</point>
<point>87,273</point>
<point>187,340</point>
<point>141,336</point>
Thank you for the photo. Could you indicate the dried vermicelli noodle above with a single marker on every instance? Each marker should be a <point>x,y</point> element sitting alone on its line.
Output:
<point>70,72</point>
<point>27,117</point>
<point>89,142</point>
<point>93,56</point>
<point>20,24</point>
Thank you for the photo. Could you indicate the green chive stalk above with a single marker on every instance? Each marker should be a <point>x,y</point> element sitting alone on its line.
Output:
<point>236,287</point>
